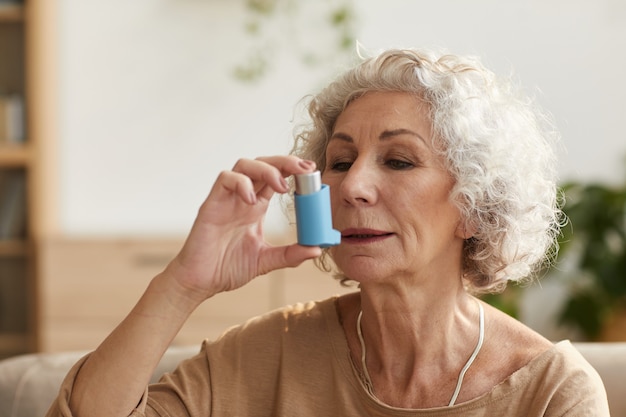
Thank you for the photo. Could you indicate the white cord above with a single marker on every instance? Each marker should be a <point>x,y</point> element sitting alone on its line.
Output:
<point>459,383</point>
<point>481,338</point>
<point>359,332</point>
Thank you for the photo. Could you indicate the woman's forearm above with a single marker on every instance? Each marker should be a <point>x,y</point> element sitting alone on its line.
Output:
<point>113,379</point>
<point>225,249</point>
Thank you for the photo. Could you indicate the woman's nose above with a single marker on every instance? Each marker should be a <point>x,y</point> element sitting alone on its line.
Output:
<point>358,186</point>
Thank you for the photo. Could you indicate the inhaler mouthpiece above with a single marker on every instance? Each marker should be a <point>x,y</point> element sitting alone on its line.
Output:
<point>313,215</point>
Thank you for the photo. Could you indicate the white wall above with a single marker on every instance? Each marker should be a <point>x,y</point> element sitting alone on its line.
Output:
<point>151,113</point>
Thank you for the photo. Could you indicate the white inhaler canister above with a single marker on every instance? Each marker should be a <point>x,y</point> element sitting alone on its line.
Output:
<point>313,215</point>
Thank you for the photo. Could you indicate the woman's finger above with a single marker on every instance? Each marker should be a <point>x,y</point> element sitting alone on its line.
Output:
<point>261,174</point>
<point>289,165</point>
<point>271,171</point>
<point>286,256</point>
<point>236,183</point>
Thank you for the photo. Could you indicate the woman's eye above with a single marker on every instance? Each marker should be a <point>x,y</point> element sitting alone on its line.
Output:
<point>398,164</point>
<point>341,166</point>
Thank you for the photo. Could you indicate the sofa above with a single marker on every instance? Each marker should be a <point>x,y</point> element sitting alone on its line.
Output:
<point>29,383</point>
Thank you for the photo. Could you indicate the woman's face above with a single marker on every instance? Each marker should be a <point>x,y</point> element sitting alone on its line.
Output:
<point>390,192</point>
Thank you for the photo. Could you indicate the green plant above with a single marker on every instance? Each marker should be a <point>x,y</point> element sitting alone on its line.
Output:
<point>595,240</point>
<point>507,301</point>
<point>591,264</point>
<point>273,25</point>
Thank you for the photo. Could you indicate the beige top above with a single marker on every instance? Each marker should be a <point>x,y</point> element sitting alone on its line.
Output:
<point>295,362</point>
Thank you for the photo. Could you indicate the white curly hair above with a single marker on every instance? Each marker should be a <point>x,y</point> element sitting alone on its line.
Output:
<point>496,142</point>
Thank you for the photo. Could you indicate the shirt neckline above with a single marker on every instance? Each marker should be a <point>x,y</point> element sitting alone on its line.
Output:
<point>500,391</point>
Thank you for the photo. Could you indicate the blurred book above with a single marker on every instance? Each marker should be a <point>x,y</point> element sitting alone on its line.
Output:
<point>12,205</point>
<point>13,301</point>
<point>12,122</point>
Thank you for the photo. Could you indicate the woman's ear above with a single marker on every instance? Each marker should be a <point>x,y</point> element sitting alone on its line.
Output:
<point>466,229</point>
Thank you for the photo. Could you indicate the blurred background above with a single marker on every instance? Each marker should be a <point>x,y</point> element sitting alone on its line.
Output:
<point>131,109</point>
<point>151,108</point>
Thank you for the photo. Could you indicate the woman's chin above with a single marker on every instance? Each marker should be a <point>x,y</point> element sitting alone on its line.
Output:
<point>366,270</point>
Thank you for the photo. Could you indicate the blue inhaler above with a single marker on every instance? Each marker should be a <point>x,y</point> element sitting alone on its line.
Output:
<point>313,217</point>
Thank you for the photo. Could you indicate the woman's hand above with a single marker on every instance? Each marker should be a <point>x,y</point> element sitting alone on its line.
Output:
<point>226,248</point>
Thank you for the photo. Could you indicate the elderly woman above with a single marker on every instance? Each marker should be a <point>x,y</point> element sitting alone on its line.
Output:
<point>442,185</point>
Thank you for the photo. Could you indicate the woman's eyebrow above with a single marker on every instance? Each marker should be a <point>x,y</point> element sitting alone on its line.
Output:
<point>342,136</point>
<point>387,134</point>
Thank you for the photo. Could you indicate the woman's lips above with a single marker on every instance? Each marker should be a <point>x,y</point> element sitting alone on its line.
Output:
<point>363,235</point>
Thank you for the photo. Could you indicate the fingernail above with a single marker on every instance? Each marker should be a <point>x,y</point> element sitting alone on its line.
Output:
<point>252,197</point>
<point>306,164</point>
<point>284,183</point>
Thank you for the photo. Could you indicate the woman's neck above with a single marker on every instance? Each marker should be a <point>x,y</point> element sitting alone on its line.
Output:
<point>415,338</point>
<point>394,321</point>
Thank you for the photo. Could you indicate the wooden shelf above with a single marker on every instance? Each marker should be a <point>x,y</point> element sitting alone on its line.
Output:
<point>13,248</point>
<point>11,12</point>
<point>13,342</point>
<point>14,156</point>
<point>23,34</point>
